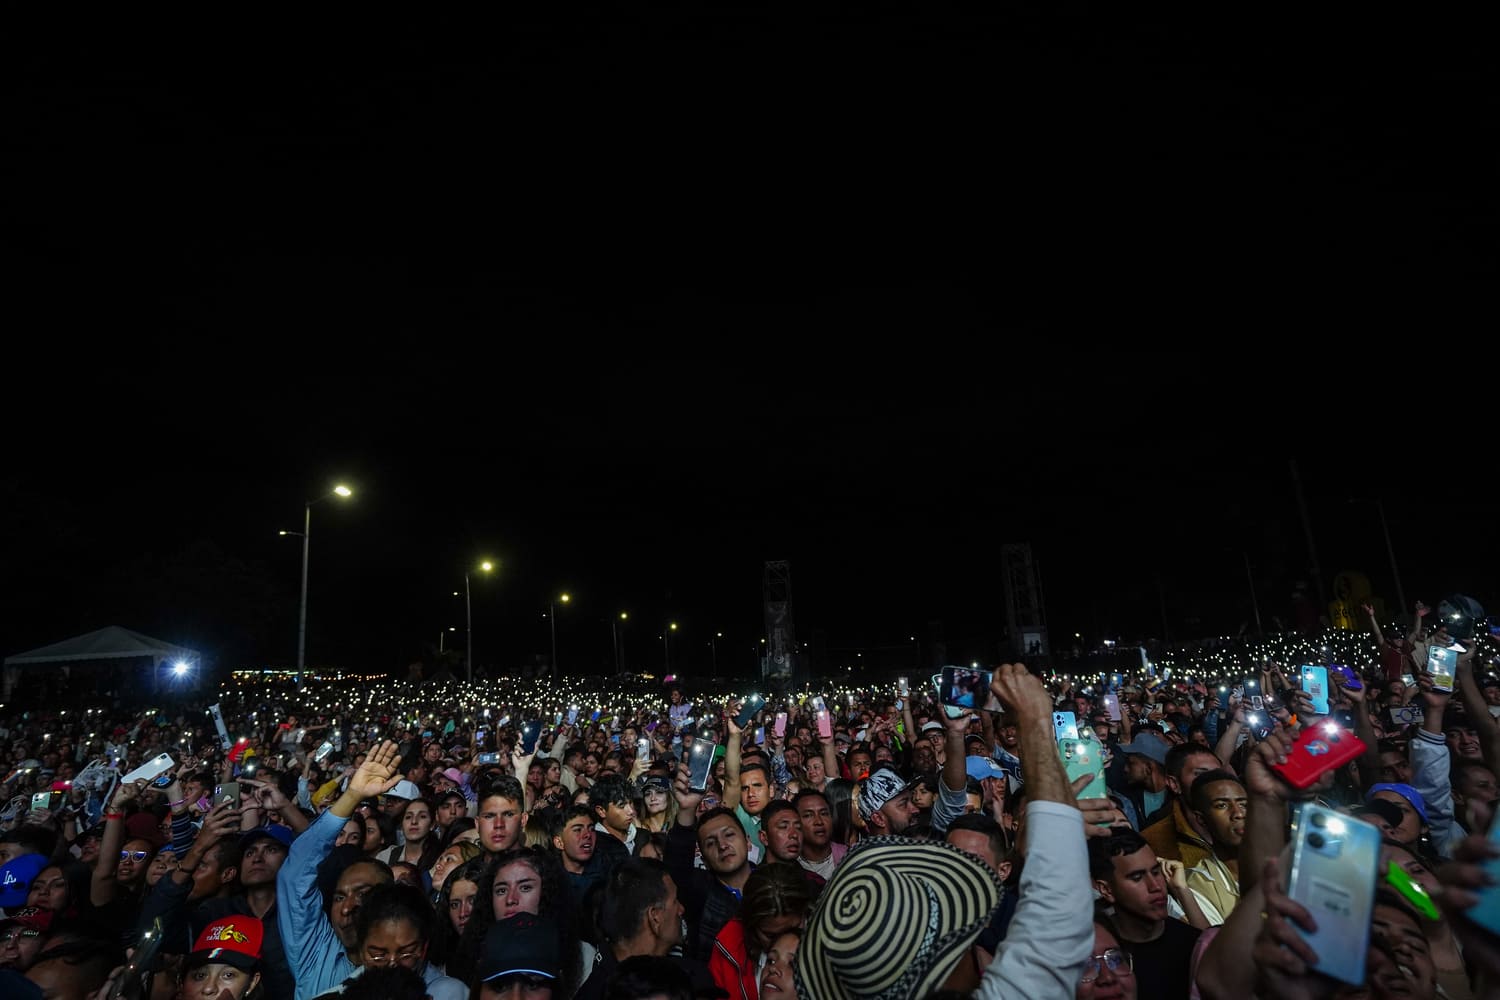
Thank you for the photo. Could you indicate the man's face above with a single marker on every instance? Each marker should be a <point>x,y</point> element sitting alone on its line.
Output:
<point>922,758</point>
<point>262,860</point>
<point>499,823</point>
<point>783,835</point>
<point>354,883</point>
<point>1492,694</point>
<point>1395,768</point>
<point>898,813</point>
<point>1463,741</point>
<point>723,844</point>
<point>1410,830</point>
<point>1227,808</point>
<point>450,810</point>
<point>192,790</point>
<point>976,844</point>
<point>1137,885</point>
<point>670,933</point>
<point>1137,769</point>
<point>617,816</point>
<point>859,762</point>
<point>576,840</point>
<point>19,947</point>
<point>1475,791</point>
<point>1196,764</point>
<point>1408,968</point>
<point>755,794</point>
<point>793,756</point>
<point>816,821</point>
<point>1010,737</point>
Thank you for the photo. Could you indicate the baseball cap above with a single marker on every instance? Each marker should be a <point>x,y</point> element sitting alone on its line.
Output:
<point>893,920</point>
<point>880,787</point>
<point>1387,812</point>
<point>281,834</point>
<point>932,727</point>
<point>523,945</point>
<point>35,919</point>
<point>404,790</point>
<point>16,878</point>
<point>454,775</point>
<point>233,940</point>
<point>1147,744</point>
<point>646,781</point>
<point>980,768</point>
<point>1407,792</point>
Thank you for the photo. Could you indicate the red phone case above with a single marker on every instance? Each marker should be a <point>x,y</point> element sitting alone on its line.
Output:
<point>1319,748</point>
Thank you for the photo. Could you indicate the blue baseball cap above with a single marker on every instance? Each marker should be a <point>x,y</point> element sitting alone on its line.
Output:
<point>980,768</point>
<point>16,878</point>
<point>1407,792</point>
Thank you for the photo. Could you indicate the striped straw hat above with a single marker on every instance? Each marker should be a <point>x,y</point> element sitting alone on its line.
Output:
<point>893,921</point>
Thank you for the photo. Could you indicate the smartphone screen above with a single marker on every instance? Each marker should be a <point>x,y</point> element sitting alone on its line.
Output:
<point>572,714</point>
<point>965,687</point>
<point>150,770</point>
<point>1112,706</point>
<point>825,725</point>
<point>1335,860</point>
<point>1442,662</point>
<point>643,749</point>
<point>323,751</point>
<point>760,734</point>
<point>529,734</point>
<point>748,709</point>
<point>1253,694</point>
<point>1315,683</point>
<point>903,687</point>
<point>700,764</point>
<point>489,758</point>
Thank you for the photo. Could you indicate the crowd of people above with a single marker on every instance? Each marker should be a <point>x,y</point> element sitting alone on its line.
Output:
<point>490,841</point>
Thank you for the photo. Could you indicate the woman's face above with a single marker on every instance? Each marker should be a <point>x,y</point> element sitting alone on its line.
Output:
<point>50,890</point>
<point>446,862</point>
<point>461,904</point>
<point>353,833</point>
<point>164,863</point>
<point>218,980</point>
<point>372,836</point>
<point>773,928</point>
<point>922,797</point>
<point>554,773</point>
<point>470,836</point>
<point>814,769</point>
<point>518,889</point>
<point>656,801</point>
<point>776,977</point>
<point>135,858</point>
<point>417,821</point>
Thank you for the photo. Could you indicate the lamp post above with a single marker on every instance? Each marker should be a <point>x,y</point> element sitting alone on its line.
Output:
<point>614,632</point>
<point>552,619</point>
<point>666,648</point>
<point>1389,549</point>
<point>305,534</point>
<point>713,650</point>
<point>486,566</point>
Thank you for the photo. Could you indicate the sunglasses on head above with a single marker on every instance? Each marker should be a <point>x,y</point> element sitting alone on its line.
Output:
<point>134,855</point>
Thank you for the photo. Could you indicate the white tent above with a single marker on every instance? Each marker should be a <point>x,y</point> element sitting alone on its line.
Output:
<point>109,643</point>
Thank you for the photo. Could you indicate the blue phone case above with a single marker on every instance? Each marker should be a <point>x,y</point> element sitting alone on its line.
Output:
<point>1335,863</point>
<point>1315,683</point>
<point>1064,726</point>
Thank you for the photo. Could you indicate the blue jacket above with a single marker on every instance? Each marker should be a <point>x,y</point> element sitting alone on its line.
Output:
<point>313,950</point>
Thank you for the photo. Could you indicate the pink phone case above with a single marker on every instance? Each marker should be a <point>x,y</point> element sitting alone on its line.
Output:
<point>825,726</point>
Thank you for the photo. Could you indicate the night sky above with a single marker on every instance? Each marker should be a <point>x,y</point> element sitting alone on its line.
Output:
<point>637,301</point>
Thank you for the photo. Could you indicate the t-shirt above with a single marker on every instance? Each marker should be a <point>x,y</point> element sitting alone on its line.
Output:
<point>1163,968</point>
<point>752,833</point>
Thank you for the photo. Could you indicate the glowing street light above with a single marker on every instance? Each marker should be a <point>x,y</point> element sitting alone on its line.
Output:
<point>552,620</point>
<point>614,631</point>
<point>305,534</point>
<point>485,566</point>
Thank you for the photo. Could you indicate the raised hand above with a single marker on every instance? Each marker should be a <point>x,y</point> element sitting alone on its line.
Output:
<point>1282,958</point>
<point>378,774</point>
<point>268,794</point>
<point>687,799</point>
<point>223,820</point>
<point>1020,691</point>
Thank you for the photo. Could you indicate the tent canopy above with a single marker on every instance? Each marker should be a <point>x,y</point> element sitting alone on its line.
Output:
<point>109,643</point>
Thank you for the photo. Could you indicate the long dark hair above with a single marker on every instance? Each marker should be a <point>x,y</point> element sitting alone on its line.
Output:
<point>556,905</point>
<point>445,939</point>
<point>838,792</point>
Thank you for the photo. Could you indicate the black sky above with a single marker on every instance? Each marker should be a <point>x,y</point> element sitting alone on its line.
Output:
<point>637,300</point>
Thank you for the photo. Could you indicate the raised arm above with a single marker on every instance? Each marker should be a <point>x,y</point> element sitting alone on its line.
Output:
<point>103,883</point>
<point>732,764</point>
<point>1374,623</point>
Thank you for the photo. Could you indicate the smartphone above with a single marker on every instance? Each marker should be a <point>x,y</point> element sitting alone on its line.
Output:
<point>481,736</point>
<point>825,726</point>
<point>1408,680</point>
<point>1260,724</point>
<point>132,982</point>
<point>1407,715</point>
<point>1112,706</point>
<point>1315,683</point>
<point>323,751</point>
<point>557,719</point>
<point>427,734</point>
<point>46,800</point>
<point>752,704</point>
<point>1084,755</point>
<point>1442,662</point>
<point>643,749</point>
<point>530,732</point>
<point>965,687</point>
<point>903,687</point>
<point>1064,726</point>
<point>760,735</point>
<point>1319,748</point>
<point>572,714</point>
<point>489,758</point>
<point>1335,862</point>
<point>1347,677</point>
<point>614,738</point>
<point>228,792</point>
<point>780,727</point>
<point>151,769</point>
<point>700,764</point>
<point>818,705</point>
<point>1252,691</point>
<point>595,716</point>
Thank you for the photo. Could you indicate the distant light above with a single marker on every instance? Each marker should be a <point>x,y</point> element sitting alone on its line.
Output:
<point>674,626</point>
<point>179,668</point>
<point>452,628</point>
<point>565,598</point>
<point>975,664</point>
<point>281,532</point>
<point>623,616</point>
<point>343,491</point>
<point>486,565</point>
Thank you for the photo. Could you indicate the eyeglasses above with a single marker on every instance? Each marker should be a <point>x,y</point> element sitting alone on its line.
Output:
<point>134,855</point>
<point>15,934</point>
<point>1114,960</point>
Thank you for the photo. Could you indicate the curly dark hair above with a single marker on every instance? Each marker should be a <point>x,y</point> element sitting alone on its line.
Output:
<point>556,905</point>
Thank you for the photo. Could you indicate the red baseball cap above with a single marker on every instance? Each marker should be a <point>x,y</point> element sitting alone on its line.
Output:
<point>233,940</point>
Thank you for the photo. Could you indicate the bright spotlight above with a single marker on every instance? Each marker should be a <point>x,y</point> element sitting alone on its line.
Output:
<point>180,667</point>
<point>343,491</point>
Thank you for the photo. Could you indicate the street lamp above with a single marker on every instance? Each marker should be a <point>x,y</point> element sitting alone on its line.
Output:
<point>713,650</point>
<point>667,648</point>
<point>485,566</point>
<point>305,534</point>
<point>552,619</point>
<point>614,632</point>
